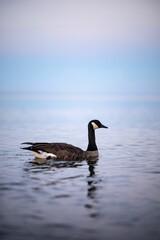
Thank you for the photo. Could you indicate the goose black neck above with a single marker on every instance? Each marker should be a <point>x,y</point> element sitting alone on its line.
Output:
<point>91,139</point>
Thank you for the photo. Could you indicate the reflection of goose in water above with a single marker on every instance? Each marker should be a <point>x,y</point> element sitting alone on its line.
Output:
<point>92,181</point>
<point>92,190</point>
<point>91,166</point>
<point>66,151</point>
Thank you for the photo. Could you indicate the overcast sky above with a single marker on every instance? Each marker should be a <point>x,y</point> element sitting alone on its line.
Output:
<point>80,46</point>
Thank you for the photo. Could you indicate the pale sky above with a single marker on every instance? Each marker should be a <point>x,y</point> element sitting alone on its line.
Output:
<point>80,45</point>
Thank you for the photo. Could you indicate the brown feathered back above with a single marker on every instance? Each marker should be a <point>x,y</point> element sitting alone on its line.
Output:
<point>61,150</point>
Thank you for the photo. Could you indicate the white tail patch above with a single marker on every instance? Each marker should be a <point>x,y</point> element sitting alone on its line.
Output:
<point>94,125</point>
<point>44,155</point>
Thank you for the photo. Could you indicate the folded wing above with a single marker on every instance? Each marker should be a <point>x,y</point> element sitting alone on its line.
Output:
<point>59,150</point>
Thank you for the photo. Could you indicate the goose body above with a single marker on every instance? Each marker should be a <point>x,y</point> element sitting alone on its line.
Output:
<point>65,151</point>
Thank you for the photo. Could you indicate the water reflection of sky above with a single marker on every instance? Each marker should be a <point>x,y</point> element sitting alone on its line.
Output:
<point>118,194</point>
<point>116,110</point>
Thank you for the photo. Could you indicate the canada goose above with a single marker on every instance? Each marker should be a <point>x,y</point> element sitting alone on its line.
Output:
<point>66,151</point>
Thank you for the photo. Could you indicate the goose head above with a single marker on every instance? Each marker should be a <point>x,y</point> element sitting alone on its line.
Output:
<point>96,124</point>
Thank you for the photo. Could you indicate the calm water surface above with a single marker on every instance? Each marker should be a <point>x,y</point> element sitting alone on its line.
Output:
<point>117,197</point>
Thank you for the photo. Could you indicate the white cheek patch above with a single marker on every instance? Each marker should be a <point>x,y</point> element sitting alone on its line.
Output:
<point>94,125</point>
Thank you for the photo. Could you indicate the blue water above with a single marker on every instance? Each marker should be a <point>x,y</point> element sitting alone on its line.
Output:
<point>117,197</point>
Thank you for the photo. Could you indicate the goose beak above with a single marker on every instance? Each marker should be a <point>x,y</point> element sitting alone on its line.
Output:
<point>102,126</point>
